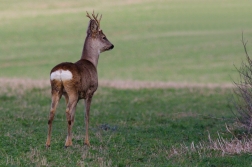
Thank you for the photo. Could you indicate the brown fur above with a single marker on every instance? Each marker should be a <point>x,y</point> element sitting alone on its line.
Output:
<point>84,80</point>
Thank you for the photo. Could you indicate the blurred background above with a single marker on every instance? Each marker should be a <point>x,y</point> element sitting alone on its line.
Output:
<point>179,41</point>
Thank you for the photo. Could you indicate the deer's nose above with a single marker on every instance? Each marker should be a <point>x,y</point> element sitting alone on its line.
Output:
<point>111,47</point>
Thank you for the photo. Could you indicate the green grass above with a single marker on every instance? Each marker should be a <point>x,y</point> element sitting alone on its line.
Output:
<point>182,41</point>
<point>175,40</point>
<point>127,128</point>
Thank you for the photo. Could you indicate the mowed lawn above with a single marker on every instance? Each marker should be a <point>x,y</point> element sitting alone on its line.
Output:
<point>186,43</point>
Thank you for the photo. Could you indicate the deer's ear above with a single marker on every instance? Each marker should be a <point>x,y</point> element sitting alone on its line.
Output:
<point>92,27</point>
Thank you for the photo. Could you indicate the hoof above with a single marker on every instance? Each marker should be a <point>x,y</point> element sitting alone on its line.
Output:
<point>48,143</point>
<point>68,142</point>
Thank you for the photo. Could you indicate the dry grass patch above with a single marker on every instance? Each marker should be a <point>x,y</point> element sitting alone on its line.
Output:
<point>214,148</point>
<point>13,86</point>
<point>35,157</point>
<point>18,86</point>
<point>120,84</point>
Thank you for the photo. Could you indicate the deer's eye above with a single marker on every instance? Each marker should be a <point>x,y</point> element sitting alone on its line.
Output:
<point>104,38</point>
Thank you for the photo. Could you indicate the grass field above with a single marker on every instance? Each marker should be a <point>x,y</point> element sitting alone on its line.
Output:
<point>180,41</point>
<point>181,54</point>
<point>128,128</point>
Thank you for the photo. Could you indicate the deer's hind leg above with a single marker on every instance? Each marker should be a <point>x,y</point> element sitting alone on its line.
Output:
<point>70,112</point>
<point>56,95</point>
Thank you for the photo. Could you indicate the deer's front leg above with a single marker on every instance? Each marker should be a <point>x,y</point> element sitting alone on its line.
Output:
<point>87,105</point>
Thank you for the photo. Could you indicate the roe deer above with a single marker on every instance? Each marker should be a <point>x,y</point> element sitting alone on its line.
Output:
<point>78,80</point>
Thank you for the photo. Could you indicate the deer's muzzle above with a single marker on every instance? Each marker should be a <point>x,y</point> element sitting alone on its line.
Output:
<point>111,47</point>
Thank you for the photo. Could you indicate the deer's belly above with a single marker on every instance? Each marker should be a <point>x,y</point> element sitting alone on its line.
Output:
<point>82,95</point>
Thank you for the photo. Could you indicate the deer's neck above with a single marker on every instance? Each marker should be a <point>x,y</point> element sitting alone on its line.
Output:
<point>90,53</point>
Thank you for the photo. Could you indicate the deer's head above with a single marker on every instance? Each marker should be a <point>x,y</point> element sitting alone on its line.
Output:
<point>95,36</point>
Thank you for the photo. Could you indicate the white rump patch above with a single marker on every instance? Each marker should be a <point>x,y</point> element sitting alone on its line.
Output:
<point>61,75</point>
<point>56,75</point>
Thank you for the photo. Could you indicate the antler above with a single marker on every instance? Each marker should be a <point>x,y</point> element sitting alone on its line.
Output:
<point>95,18</point>
<point>89,16</point>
